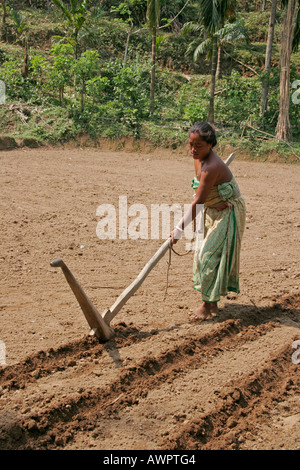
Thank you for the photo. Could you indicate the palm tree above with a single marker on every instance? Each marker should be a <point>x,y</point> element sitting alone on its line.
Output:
<point>289,41</point>
<point>229,34</point>
<point>153,16</point>
<point>76,16</point>
<point>213,14</point>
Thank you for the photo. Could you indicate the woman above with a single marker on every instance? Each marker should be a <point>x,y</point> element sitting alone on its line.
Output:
<point>217,260</point>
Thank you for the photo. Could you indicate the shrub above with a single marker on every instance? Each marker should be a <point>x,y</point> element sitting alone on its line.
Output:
<point>230,105</point>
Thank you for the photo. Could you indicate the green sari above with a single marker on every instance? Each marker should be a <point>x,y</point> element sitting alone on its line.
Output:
<point>217,258</point>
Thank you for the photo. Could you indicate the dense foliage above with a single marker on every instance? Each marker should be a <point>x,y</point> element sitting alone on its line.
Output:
<point>91,73</point>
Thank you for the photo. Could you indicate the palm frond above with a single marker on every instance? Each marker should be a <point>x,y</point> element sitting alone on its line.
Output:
<point>215,12</point>
<point>232,32</point>
<point>98,13</point>
<point>63,8</point>
<point>202,48</point>
<point>78,6</point>
<point>226,8</point>
<point>191,27</point>
<point>19,23</point>
<point>153,13</point>
<point>74,6</point>
<point>210,14</point>
<point>79,22</point>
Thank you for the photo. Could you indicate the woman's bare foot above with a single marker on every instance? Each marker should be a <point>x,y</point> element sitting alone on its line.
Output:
<point>201,313</point>
<point>214,310</point>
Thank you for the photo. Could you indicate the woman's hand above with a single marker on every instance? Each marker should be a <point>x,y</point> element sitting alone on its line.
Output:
<point>175,235</point>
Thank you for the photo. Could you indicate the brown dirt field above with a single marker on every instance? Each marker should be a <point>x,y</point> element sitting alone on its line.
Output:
<point>162,383</point>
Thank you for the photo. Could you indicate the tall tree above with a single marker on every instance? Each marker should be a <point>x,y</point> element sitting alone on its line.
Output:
<point>230,33</point>
<point>3,25</point>
<point>288,40</point>
<point>153,16</point>
<point>265,87</point>
<point>213,16</point>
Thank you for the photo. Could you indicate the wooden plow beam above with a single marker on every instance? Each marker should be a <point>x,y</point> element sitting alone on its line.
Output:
<point>100,323</point>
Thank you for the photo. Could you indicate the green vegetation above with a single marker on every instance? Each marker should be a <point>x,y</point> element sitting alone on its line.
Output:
<point>145,70</point>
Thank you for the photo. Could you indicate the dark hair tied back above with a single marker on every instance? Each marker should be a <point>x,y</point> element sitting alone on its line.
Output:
<point>205,131</point>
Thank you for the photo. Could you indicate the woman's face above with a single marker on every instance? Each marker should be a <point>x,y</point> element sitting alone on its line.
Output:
<point>198,147</point>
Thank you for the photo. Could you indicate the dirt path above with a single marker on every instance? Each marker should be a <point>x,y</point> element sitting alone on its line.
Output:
<point>162,382</point>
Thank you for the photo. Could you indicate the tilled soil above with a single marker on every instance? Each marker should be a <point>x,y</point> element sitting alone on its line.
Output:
<point>163,382</point>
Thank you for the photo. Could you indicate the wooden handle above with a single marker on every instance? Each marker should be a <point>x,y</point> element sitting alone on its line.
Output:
<point>132,288</point>
<point>110,313</point>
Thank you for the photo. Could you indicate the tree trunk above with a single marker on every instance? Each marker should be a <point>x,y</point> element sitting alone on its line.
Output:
<point>61,94</point>
<point>219,64</point>
<point>4,12</point>
<point>211,113</point>
<point>126,47</point>
<point>152,86</point>
<point>76,44</point>
<point>3,27</point>
<point>265,87</point>
<point>283,129</point>
<point>25,67</point>
<point>82,93</point>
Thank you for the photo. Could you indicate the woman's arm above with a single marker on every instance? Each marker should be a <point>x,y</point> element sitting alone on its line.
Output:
<point>206,182</point>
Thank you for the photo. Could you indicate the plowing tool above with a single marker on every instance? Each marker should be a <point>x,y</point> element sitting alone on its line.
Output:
<point>100,323</point>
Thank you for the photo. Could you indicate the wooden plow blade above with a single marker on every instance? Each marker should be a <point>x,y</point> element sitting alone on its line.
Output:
<point>100,323</point>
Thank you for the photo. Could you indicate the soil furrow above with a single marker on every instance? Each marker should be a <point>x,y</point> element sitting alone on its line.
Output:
<point>173,402</point>
<point>48,362</point>
<point>53,360</point>
<point>230,425</point>
<point>161,382</point>
<point>131,385</point>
